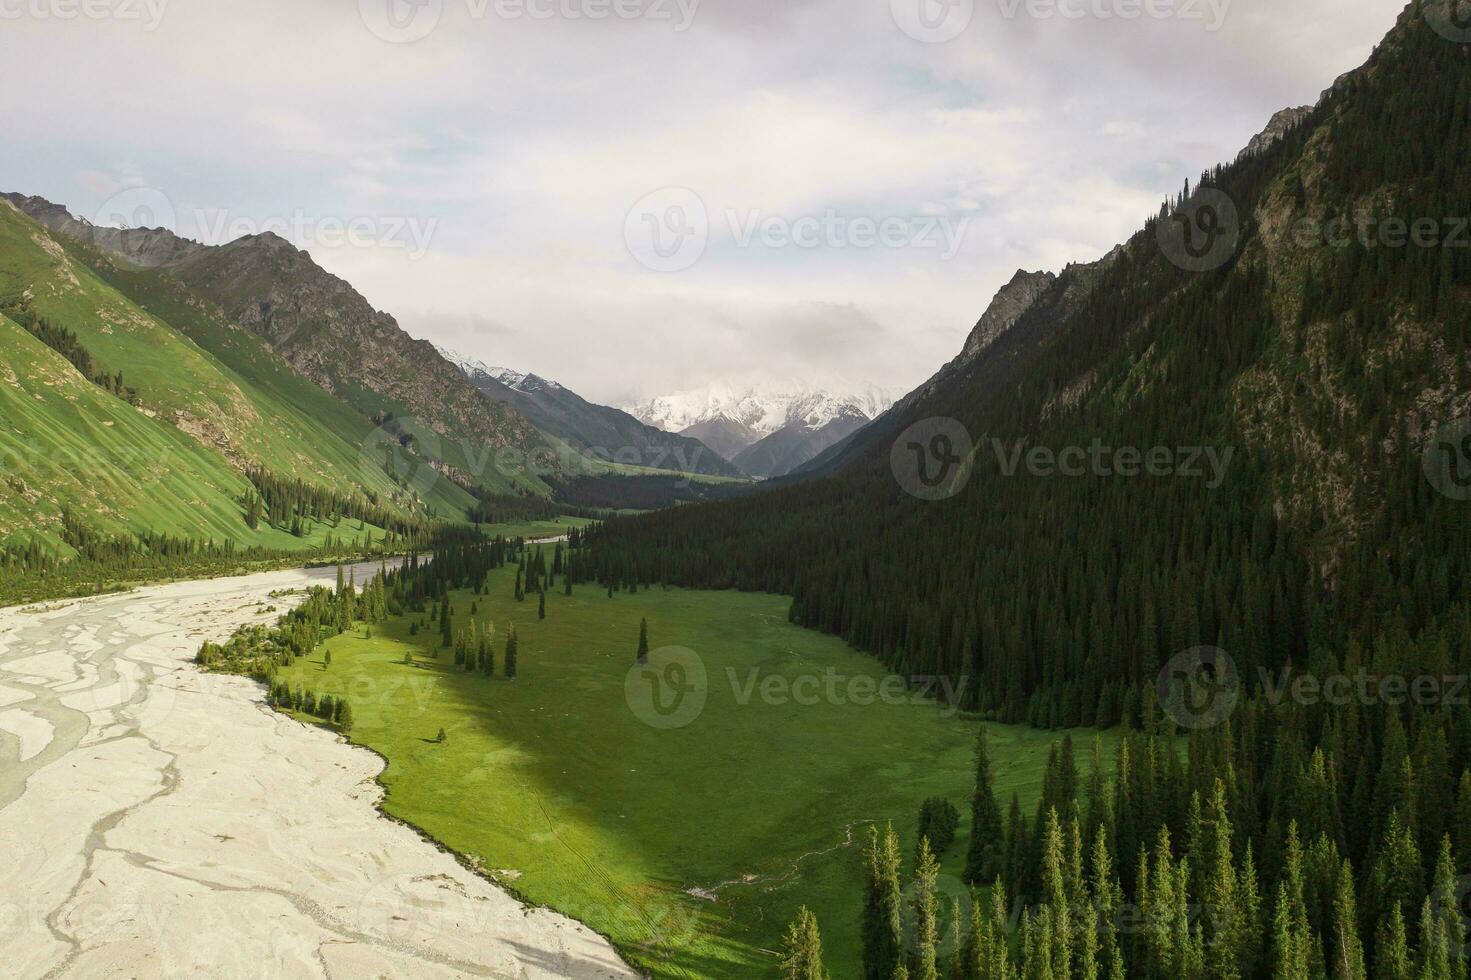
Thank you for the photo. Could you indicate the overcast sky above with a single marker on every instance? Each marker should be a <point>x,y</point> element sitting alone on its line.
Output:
<point>637,197</point>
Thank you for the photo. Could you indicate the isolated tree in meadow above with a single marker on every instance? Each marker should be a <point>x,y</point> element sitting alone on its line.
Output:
<point>881,926</point>
<point>802,949</point>
<point>983,862</point>
<point>643,642</point>
<point>344,717</point>
<point>541,606</point>
<point>441,737</point>
<point>511,653</point>
<point>519,594</point>
<point>327,658</point>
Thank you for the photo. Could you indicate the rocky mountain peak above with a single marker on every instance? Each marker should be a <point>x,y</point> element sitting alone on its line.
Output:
<point>1279,126</point>
<point>1010,302</point>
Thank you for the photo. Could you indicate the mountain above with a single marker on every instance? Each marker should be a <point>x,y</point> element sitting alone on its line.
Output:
<point>607,433</point>
<point>801,421</point>
<point>130,406</point>
<point>328,333</point>
<point>788,448</point>
<point>1266,415</point>
<point>1280,125</point>
<point>763,409</point>
<point>723,434</point>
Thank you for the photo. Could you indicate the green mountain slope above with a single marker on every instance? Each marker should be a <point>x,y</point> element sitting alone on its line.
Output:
<point>330,335</point>
<point>1328,368</point>
<point>175,461</point>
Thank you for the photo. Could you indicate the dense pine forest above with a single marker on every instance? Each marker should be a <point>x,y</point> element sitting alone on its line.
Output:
<point>1297,835</point>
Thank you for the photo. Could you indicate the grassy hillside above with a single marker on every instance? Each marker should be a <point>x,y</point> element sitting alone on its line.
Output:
<point>64,441</point>
<point>554,782</point>
<point>208,405</point>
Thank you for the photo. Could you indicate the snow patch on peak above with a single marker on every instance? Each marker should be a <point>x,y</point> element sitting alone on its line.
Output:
<point>764,408</point>
<point>474,368</point>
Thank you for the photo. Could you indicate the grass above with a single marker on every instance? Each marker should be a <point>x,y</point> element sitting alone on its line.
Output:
<point>536,530</point>
<point>555,785</point>
<point>212,397</point>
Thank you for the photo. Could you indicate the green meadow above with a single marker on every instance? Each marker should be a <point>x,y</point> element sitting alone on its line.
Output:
<point>689,833</point>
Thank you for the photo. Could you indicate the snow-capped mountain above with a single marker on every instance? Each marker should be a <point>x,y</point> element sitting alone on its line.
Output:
<point>606,432</point>
<point>762,409</point>
<point>474,367</point>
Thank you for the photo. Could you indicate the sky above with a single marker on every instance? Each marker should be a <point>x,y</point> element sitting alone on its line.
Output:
<point>640,197</point>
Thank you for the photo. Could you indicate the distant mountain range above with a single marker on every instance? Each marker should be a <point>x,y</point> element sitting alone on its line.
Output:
<point>766,430</point>
<point>589,428</point>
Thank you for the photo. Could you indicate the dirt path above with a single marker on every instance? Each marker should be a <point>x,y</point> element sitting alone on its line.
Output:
<point>156,821</point>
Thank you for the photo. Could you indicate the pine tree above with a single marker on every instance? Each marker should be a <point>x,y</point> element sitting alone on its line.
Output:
<point>802,949</point>
<point>511,653</point>
<point>926,914</point>
<point>983,862</point>
<point>643,642</point>
<point>881,927</point>
<point>541,608</point>
<point>1392,948</point>
<point>344,717</point>
<point>1345,951</point>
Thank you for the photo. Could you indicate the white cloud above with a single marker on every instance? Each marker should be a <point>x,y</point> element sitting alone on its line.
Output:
<point>524,143</point>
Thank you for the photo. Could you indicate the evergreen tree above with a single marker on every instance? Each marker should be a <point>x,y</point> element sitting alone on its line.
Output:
<point>643,642</point>
<point>983,862</point>
<point>511,653</point>
<point>802,949</point>
<point>926,915</point>
<point>881,928</point>
<point>541,607</point>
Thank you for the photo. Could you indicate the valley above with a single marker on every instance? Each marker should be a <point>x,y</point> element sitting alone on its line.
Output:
<point>690,847</point>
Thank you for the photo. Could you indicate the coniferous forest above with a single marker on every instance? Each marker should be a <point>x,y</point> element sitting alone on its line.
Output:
<point>1298,834</point>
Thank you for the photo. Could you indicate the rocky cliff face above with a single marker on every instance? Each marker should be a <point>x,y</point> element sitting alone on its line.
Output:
<point>1014,299</point>
<point>1279,126</point>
